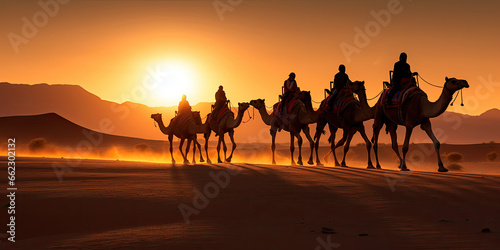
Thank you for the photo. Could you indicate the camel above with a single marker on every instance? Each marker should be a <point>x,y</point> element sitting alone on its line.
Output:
<point>188,131</point>
<point>227,124</point>
<point>416,110</point>
<point>297,121</point>
<point>351,121</point>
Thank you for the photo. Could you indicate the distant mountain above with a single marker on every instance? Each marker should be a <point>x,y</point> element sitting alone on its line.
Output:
<point>63,133</point>
<point>131,119</point>
<point>82,107</point>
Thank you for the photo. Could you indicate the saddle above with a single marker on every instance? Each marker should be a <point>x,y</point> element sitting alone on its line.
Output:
<point>216,117</point>
<point>180,120</point>
<point>344,99</point>
<point>288,108</point>
<point>408,88</point>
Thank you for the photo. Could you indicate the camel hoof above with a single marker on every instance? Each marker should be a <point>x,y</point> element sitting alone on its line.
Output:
<point>202,160</point>
<point>186,162</point>
<point>228,160</point>
<point>293,163</point>
<point>343,166</point>
<point>310,162</point>
<point>337,164</point>
<point>274,163</point>
<point>300,163</point>
<point>405,169</point>
<point>443,170</point>
<point>209,161</point>
<point>379,167</point>
<point>370,167</point>
<point>219,161</point>
<point>319,164</point>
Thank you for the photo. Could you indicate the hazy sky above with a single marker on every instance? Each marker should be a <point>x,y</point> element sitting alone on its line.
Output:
<point>116,49</point>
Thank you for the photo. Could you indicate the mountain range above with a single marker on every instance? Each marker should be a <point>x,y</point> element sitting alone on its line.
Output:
<point>133,119</point>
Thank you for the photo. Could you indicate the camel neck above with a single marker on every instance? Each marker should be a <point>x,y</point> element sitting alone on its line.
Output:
<point>313,114</point>
<point>266,118</point>
<point>434,109</point>
<point>163,129</point>
<point>366,112</point>
<point>238,120</point>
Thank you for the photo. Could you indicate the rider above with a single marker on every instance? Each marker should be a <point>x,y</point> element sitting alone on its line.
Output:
<point>291,89</point>
<point>401,74</point>
<point>184,107</point>
<point>339,82</point>
<point>220,100</point>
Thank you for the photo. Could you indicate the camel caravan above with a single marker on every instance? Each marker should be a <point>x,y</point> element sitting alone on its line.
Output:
<point>401,103</point>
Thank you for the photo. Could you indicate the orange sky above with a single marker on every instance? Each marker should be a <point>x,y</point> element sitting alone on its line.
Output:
<point>108,46</point>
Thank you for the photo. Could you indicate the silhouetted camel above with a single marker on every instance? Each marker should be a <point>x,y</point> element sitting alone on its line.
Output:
<point>227,124</point>
<point>188,131</point>
<point>297,121</point>
<point>416,110</point>
<point>351,121</point>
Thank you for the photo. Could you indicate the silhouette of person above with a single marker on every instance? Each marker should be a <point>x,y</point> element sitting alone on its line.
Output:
<point>184,107</point>
<point>339,82</point>
<point>401,74</point>
<point>220,100</point>
<point>291,89</point>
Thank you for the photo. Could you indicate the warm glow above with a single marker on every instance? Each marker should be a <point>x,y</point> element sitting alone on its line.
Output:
<point>171,81</point>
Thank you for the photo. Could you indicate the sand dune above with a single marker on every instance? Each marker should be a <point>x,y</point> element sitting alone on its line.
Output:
<point>115,204</point>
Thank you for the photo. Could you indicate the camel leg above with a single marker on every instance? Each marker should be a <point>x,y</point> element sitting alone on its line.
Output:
<point>394,140</point>
<point>331,140</point>
<point>406,145</point>
<point>180,149</point>
<point>319,131</point>
<point>218,149</point>
<point>273,144</point>
<point>376,132</point>
<point>231,137</point>
<point>307,132</point>
<point>194,149</point>
<point>334,146</point>
<point>350,134</point>
<point>426,126</point>
<point>292,147</point>
<point>224,147</point>
<point>368,145</point>
<point>170,138</point>
<point>299,140</point>
<point>186,161</point>
<point>207,136</point>
<point>201,152</point>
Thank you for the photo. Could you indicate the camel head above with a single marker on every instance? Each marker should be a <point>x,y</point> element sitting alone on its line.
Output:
<point>454,84</point>
<point>156,117</point>
<point>305,96</point>
<point>243,106</point>
<point>197,117</point>
<point>259,103</point>
<point>356,86</point>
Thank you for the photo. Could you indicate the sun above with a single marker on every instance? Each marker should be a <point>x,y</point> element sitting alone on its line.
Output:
<point>173,79</point>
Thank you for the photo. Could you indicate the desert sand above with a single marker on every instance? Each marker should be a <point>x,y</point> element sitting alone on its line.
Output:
<point>101,204</point>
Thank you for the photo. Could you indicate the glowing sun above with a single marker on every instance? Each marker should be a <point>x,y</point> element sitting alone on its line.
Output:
<point>173,80</point>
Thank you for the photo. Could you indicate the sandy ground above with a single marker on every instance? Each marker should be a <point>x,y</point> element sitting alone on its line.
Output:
<point>121,205</point>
